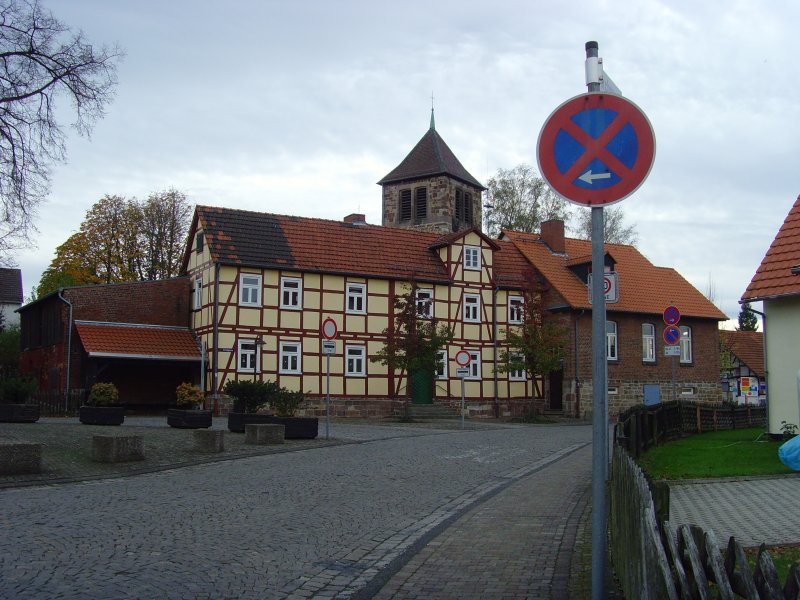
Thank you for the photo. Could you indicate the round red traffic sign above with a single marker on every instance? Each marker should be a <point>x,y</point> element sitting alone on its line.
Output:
<point>329,329</point>
<point>596,149</point>
<point>672,315</point>
<point>672,335</point>
<point>463,358</point>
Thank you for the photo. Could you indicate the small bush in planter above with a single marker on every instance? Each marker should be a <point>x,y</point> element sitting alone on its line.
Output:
<point>17,390</point>
<point>103,394</point>
<point>286,403</point>
<point>188,396</point>
<point>250,395</point>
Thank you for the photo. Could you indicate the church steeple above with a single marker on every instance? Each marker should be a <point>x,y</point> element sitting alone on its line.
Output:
<point>433,125</point>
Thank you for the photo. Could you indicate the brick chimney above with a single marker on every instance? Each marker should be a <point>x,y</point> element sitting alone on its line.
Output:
<point>553,235</point>
<point>356,219</point>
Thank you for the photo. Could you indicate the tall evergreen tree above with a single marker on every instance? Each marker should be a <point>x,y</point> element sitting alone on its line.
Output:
<point>747,319</point>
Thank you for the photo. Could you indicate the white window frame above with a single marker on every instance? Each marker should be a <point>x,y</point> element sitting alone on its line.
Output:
<point>519,374</point>
<point>425,303</point>
<point>516,305</point>
<point>356,298</point>
<point>441,364</point>
<point>249,293</point>
<point>248,347</point>
<point>291,293</point>
<point>648,343</point>
<point>612,341</point>
<point>472,258</point>
<point>686,344</point>
<point>290,352</point>
<point>355,361</point>
<point>474,365</point>
<point>472,304</point>
<point>198,293</point>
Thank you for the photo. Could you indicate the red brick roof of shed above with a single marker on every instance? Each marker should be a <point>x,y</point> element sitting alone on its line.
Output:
<point>774,277</point>
<point>748,346</point>
<point>126,340</point>
<point>643,287</point>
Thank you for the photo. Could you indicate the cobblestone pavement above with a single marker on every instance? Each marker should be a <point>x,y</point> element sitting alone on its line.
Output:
<point>754,511</point>
<point>312,523</point>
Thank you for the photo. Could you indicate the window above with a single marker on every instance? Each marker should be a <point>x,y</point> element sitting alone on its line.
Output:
<point>474,365</point>
<point>611,341</point>
<point>249,290</point>
<point>648,342</point>
<point>425,303</point>
<point>290,357</point>
<point>686,344</point>
<point>688,391</point>
<point>515,304</point>
<point>472,257</point>
<point>291,292</point>
<point>405,206</point>
<point>420,205</point>
<point>517,374</point>
<point>248,357</point>
<point>441,364</point>
<point>472,308</point>
<point>356,297</point>
<point>463,212</point>
<point>198,243</point>
<point>613,390</point>
<point>355,359</point>
<point>198,294</point>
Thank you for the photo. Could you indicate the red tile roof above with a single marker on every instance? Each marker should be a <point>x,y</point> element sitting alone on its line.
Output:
<point>643,287</point>
<point>283,242</point>
<point>774,276</point>
<point>431,156</point>
<point>125,340</point>
<point>748,346</point>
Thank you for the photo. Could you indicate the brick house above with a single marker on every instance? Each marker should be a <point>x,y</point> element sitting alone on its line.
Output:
<point>776,284</point>
<point>135,335</point>
<point>638,371</point>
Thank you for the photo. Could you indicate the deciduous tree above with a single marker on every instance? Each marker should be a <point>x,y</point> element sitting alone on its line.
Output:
<point>43,64</point>
<point>615,230</point>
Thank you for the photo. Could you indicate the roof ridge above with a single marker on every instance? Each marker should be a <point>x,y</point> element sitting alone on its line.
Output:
<point>130,325</point>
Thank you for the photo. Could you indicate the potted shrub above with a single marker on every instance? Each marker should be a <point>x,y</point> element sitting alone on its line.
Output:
<point>285,405</point>
<point>249,397</point>
<point>15,400</point>
<point>101,406</point>
<point>190,413</point>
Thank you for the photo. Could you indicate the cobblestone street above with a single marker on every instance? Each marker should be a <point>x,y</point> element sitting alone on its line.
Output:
<point>320,522</point>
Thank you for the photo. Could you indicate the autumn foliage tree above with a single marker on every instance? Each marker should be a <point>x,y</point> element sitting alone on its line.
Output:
<point>122,240</point>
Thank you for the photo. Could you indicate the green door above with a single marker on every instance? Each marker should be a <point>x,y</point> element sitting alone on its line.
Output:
<point>422,387</point>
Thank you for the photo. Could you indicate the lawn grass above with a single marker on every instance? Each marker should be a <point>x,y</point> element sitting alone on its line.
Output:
<point>783,557</point>
<point>729,453</point>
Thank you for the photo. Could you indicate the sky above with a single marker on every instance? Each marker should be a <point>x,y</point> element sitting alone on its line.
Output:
<point>300,107</point>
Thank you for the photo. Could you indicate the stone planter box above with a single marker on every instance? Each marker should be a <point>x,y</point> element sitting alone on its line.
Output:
<point>102,415</point>
<point>19,413</point>
<point>297,427</point>
<point>188,419</point>
<point>237,421</point>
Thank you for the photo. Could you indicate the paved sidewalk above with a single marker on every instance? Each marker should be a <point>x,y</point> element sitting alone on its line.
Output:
<point>517,544</point>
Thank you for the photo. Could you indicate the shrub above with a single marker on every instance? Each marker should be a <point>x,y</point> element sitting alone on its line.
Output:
<point>188,395</point>
<point>286,403</point>
<point>250,395</point>
<point>103,394</point>
<point>16,390</point>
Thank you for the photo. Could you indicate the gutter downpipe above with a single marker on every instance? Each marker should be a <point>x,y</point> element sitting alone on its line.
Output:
<point>215,351</point>
<point>69,350</point>
<point>494,352</point>
<point>766,364</point>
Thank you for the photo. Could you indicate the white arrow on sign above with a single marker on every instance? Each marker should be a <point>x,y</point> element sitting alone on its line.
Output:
<point>589,177</point>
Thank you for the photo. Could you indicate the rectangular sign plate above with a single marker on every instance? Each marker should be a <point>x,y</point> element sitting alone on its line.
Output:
<point>609,285</point>
<point>672,350</point>
<point>328,347</point>
<point>462,372</point>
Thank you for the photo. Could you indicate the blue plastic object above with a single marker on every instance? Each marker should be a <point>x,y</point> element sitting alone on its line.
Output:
<point>789,453</point>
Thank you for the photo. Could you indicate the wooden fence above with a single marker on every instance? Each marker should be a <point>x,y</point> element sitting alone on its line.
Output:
<point>642,427</point>
<point>55,404</point>
<point>652,561</point>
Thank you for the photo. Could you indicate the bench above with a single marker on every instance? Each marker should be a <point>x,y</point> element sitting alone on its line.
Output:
<point>20,458</point>
<point>264,434</point>
<point>117,448</point>
<point>209,440</point>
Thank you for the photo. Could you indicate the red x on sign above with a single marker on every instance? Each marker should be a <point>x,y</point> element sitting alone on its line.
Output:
<point>596,149</point>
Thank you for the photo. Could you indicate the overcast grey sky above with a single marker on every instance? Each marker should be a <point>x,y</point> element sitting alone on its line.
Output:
<point>300,107</point>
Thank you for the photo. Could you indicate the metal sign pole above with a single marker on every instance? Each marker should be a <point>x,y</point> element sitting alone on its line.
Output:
<point>462,402</point>
<point>328,397</point>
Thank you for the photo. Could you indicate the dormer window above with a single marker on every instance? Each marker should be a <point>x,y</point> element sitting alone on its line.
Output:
<point>472,258</point>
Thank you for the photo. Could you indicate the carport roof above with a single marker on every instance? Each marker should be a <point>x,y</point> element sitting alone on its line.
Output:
<point>136,341</point>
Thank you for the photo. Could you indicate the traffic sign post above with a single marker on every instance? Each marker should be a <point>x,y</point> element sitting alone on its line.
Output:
<point>463,358</point>
<point>672,335</point>
<point>610,287</point>
<point>672,316</point>
<point>329,331</point>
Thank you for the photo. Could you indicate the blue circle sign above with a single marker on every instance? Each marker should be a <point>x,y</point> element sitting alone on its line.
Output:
<point>672,335</point>
<point>596,149</point>
<point>672,315</point>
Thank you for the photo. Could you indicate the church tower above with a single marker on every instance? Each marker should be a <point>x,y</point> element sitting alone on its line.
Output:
<point>431,190</point>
